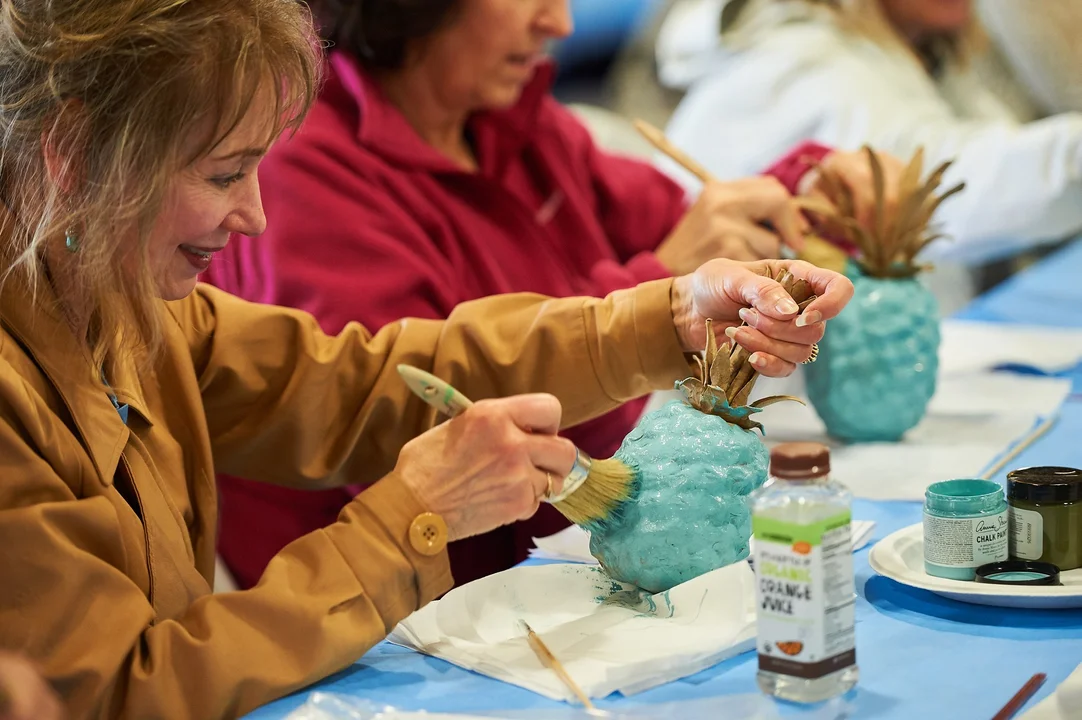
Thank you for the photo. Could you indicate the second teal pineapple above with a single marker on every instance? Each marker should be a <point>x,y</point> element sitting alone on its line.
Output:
<point>877,366</point>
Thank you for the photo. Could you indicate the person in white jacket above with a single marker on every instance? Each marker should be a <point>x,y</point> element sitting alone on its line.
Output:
<point>889,73</point>
<point>1040,48</point>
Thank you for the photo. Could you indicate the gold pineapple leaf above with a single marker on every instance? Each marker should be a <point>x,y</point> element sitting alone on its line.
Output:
<point>703,374</point>
<point>720,369</point>
<point>774,399</point>
<point>879,184</point>
<point>711,348</point>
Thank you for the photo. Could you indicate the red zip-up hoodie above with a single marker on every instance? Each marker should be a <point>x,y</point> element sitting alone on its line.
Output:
<point>366,222</point>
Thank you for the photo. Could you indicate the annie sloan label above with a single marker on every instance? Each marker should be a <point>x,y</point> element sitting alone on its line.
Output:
<point>965,542</point>
<point>805,596</point>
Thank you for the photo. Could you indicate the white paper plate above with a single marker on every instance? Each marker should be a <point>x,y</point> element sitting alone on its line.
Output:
<point>900,557</point>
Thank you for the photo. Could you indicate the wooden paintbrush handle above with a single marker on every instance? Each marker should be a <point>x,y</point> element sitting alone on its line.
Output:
<point>662,143</point>
<point>434,391</point>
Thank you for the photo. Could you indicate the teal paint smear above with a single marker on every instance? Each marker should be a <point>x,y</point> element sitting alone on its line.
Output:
<point>689,514</point>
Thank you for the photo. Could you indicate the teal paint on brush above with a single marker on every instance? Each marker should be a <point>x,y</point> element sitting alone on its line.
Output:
<point>691,514</point>
<point>965,526</point>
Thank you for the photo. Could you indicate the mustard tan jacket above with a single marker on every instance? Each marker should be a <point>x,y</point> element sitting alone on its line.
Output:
<point>107,530</point>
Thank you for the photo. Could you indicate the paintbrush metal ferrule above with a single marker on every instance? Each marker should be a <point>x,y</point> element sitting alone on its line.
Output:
<point>575,478</point>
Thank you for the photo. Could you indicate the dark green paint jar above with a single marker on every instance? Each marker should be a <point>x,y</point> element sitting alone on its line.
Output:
<point>1046,515</point>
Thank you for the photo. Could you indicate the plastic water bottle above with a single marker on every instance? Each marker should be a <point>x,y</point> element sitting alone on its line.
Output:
<point>804,578</point>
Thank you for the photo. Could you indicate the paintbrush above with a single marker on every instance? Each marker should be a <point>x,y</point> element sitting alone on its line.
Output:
<point>816,250</point>
<point>594,490</point>
<point>549,660</point>
<point>1021,697</point>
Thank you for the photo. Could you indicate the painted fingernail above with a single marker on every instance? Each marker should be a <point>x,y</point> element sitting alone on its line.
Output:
<point>809,318</point>
<point>749,316</point>
<point>757,360</point>
<point>786,306</point>
<point>730,332</point>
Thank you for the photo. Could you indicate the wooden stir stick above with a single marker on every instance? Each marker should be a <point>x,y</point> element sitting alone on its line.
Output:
<point>549,660</point>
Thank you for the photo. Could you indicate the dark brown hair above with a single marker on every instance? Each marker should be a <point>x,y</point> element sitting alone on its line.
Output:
<point>378,32</point>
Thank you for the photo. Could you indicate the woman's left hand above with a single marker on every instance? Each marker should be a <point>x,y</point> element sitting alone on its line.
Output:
<point>777,334</point>
<point>855,172</point>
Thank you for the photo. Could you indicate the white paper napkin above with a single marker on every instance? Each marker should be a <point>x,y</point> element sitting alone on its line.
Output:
<point>969,346</point>
<point>572,544</point>
<point>610,636</point>
<point>969,423</point>
<point>1064,704</point>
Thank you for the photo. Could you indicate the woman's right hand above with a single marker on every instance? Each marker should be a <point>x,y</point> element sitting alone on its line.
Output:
<point>490,466</point>
<point>732,220</point>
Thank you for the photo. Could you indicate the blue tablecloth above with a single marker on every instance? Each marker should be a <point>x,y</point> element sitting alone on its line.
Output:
<point>920,656</point>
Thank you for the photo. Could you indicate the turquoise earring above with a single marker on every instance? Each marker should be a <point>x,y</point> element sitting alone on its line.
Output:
<point>71,241</point>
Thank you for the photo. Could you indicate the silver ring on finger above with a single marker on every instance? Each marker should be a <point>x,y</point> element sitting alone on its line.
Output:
<point>814,355</point>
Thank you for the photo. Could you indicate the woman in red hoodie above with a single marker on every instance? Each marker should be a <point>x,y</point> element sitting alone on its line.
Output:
<point>436,168</point>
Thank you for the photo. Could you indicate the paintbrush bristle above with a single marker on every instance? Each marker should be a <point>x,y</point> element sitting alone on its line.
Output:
<point>610,484</point>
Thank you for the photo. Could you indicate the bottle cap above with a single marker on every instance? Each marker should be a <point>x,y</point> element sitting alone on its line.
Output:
<point>800,461</point>
<point>1045,485</point>
<point>1018,572</point>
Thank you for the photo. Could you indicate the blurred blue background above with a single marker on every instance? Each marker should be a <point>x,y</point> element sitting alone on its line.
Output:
<point>601,28</point>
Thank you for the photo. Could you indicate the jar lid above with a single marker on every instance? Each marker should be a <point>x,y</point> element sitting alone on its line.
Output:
<point>800,461</point>
<point>1018,572</point>
<point>1045,485</point>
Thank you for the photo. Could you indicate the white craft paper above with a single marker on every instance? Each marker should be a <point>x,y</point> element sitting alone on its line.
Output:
<point>972,419</point>
<point>941,447</point>
<point>998,393</point>
<point>1064,704</point>
<point>610,636</point>
<point>572,544</point>
<point>971,346</point>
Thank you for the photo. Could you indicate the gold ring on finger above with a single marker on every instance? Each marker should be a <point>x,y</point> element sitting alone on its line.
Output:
<point>814,355</point>
<point>548,481</point>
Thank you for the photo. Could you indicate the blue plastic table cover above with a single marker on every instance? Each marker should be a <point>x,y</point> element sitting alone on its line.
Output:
<point>920,655</point>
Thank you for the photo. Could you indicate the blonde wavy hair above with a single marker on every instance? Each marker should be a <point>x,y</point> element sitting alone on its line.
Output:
<point>101,103</point>
<point>867,18</point>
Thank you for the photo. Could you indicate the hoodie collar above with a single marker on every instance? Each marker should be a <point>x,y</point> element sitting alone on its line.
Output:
<point>383,130</point>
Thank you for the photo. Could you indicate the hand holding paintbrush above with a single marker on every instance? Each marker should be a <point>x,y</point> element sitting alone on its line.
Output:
<point>509,447</point>
<point>778,338</point>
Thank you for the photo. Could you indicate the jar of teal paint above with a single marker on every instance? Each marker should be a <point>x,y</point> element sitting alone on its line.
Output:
<point>965,526</point>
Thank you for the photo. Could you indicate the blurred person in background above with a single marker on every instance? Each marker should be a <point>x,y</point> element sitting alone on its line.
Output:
<point>436,168</point>
<point>1040,49</point>
<point>896,74</point>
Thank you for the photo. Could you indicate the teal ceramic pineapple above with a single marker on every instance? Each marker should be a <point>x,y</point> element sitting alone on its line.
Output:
<point>876,370</point>
<point>696,462</point>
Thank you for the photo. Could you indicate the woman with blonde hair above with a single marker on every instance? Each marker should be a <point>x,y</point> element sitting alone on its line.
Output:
<point>132,131</point>
<point>892,73</point>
